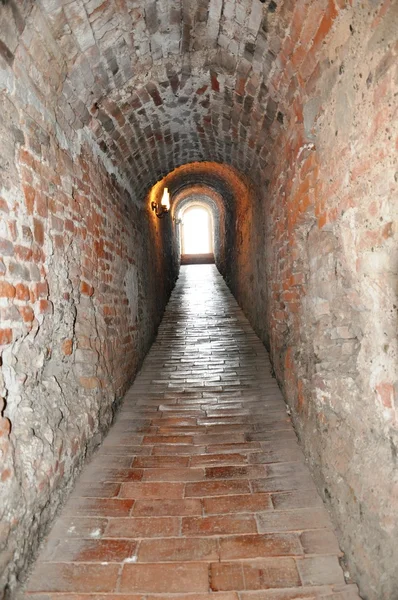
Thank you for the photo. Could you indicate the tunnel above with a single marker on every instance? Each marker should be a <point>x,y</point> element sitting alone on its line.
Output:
<point>279,119</point>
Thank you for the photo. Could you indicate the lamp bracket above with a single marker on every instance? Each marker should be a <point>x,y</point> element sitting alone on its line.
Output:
<point>159,213</point>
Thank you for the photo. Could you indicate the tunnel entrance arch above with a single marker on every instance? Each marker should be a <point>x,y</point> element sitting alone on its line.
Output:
<point>197,226</point>
<point>197,230</point>
<point>218,186</point>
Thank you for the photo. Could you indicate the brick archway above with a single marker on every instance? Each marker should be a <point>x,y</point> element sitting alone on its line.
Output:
<point>196,250</point>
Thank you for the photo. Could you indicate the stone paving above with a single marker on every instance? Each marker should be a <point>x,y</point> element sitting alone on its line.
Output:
<point>200,490</point>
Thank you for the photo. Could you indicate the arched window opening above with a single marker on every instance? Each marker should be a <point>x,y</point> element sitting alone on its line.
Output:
<point>196,230</point>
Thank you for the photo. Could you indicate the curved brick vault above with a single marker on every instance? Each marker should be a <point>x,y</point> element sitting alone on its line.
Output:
<point>284,109</point>
<point>222,186</point>
<point>161,84</point>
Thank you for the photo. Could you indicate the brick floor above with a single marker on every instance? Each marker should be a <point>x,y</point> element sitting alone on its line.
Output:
<point>200,490</point>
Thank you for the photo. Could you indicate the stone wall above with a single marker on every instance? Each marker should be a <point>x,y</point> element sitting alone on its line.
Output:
<point>319,255</point>
<point>84,279</point>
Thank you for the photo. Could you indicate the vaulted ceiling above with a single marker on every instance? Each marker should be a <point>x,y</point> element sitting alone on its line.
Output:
<point>159,83</point>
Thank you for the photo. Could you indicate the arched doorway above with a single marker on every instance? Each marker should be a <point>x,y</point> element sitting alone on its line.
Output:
<point>196,230</point>
<point>196,233</point>
<point>203,196</point>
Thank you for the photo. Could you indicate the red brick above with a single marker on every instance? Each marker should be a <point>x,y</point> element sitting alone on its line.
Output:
<point>217,488</point>
<point>69,226</point>
<point>38,232</point>
<point>164,439</point>
<point>173,474</point>
<point>29,193</point>
<point>5,426</point>
<point>271,573</point>
<point>7,290</point>
<point>21,291</point>
<point>58,241</point>
<point>135,527</point>
<point>215,86</point>
<point>26,313</point>
<point>326,24</point>
<point>152,490</point>
<point>178,549</point>
<point>41,205</point>
<point>173,421</point>
<point>214,438</point>
<point>164,462</point>
<point>86,289</point>
<point>5,336</point>
<point>258,546</point>
<point>23,253</point>
<point>216,525</point>
<point>176,450</point>
<point>218,459</point>
<point>236,504</point>
<point>235,472</point>
<point>128,450</point>
<point>12,228</point>
<point>166,507</point>
<point>165,578</point>
<point>255,575</point>
<point>228,448</point>
<point>67,347</point>
<point>4,206</point>
<point>42,290</point>
<point>226,576</point>
<point>384,6</point>
<point>201,91</point>
<point>298,593</point>
<point>45,307</point>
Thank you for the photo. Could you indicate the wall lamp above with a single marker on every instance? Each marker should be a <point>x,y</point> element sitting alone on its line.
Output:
<point>164,206</point>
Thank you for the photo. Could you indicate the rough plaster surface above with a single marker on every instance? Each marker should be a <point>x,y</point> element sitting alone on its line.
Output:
<point>98,102</point>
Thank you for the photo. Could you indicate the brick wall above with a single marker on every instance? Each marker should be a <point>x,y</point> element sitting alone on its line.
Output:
<point>319,258</point>
<point>83,283</point>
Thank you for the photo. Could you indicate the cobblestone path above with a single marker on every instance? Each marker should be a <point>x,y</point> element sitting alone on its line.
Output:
<point>200,490</point>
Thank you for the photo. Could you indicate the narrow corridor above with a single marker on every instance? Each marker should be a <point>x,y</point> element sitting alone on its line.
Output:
<point>200,489</point>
